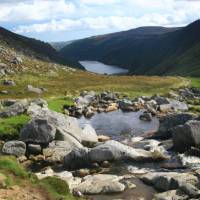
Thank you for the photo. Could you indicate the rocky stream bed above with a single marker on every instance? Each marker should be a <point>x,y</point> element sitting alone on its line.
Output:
<point>109,146</point>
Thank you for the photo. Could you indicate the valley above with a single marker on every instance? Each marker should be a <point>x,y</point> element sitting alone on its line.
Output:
<point>96,131</point>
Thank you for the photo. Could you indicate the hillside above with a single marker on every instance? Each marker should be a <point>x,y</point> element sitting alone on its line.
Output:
<point>59,45</point>
<point>33,48</point>
<point>145,50</point>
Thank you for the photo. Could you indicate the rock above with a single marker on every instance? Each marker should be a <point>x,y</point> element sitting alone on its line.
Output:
<point>138,171</point>
<point>85,99</point>
<point>126,105</point>
<point>164,181</point>
<point>186,93</point>
<point>88,112</point>
<point>129,185</point>
<point>168,122</point>
<point>16,148</point>
<point>112,107</point>
<point>89,136</point>
<point>77,158</point>
<point>113,150</point>
<point>4,92</point>
<point>57,150</point>
<point>9,83</point>
<point>171,195</point>
<point>189,161</point>
<point>30,88</point>
<point>161,100</point>
<point>146,117</point>
<point>100,184</point>
<point>82,172</point>
<point>17,60</point>
<point>186,136</point>
<point>38,131</point>
<point>8,102</point>
<point>103,138</point>
<point>177,105</point>
<point>40,102</point>
<point>165,108</point>
<point>108,96</point>
<point>34,149</point>
<point>16,109</point>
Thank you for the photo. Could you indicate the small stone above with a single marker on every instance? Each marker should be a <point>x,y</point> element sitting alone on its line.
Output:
<point>103,138</point>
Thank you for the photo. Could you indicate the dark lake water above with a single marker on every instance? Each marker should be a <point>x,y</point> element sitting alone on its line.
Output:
<point>100,68</point>
<point>120,125</point>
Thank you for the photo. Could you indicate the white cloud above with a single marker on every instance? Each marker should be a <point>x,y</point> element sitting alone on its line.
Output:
<point>99,2</point>
<point>35,10</point>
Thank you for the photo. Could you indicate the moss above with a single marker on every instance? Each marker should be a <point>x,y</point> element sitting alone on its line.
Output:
<point>57,188</point>
<point>10,127</point>
<point>56,104</point>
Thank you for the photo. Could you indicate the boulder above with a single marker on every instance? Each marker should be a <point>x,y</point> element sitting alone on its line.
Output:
<point>89,136</point>
<point>100,184</point>
<point>186,136</point>
<point>8,102</point>
<point>57,150</point>
<point>161,100</point>
<point>38,131</point>
<point>17,108</point>
<point>16,148</point>
<point>113,151</point>
<point>167,123</point>
<point>126,105</point>
<point>165,181</point>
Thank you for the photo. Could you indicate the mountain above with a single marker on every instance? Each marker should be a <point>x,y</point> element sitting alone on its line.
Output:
<point>33,48</point>
<point>145,50</point>
<point>59,45</point>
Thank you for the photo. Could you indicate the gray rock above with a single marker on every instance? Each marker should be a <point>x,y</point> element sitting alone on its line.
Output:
<point>57,150</point>
<point>16,109</point>
<point>161,100</point>
<point>100,184</point>
<point>146,117</point>
<point>34,149</point>
<point>30,88</point>
<point>89,136</point>
<point>186,136</point>
<point>8,102</point>
<point>169,122</point>
<point>38,131</point>
<point>16,148</point>
<point>126,105</point>
<point>17,60</point>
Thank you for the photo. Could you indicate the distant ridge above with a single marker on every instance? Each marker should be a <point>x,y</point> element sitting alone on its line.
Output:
<point>144,50</point>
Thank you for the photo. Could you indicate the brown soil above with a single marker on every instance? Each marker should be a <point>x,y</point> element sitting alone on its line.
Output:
<point>23,193</point>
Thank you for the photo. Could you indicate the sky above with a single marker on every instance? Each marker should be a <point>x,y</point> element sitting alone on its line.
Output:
<point>65,20</point>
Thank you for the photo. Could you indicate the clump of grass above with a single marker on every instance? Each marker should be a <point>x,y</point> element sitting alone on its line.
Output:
<point>10,127</point>
<point>56,104</point>
<point>57,188</point>
<point>9,165</point>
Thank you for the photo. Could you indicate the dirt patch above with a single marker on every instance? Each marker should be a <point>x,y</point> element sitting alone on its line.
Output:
<point>23,193</point>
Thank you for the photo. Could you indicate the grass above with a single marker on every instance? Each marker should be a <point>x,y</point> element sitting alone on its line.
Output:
<point>10,127</point>
<point>17,175</point>
<point>195,82</point>
<point>56,104</point>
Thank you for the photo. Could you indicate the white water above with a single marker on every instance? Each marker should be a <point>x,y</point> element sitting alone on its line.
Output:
<point>100,68</point>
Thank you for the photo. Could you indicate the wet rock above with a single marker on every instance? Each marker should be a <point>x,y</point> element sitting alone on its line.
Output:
<point>100,184</point>
<point>169,122</point>
<point>189,161</point>
<point>16,148</point>
<point>171,195</point>
<point>186,136</point>
<point>146,117</point>
<point>126,105</point>
<point>16,109</point>
<point>89,136</point>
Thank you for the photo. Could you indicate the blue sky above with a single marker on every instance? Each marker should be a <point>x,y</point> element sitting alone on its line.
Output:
<point>63,20</point>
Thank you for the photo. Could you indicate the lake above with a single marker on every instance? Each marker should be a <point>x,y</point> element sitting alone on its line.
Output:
<point>100,68</point>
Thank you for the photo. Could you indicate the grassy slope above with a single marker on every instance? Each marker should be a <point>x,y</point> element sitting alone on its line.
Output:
<point>52,188</point>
